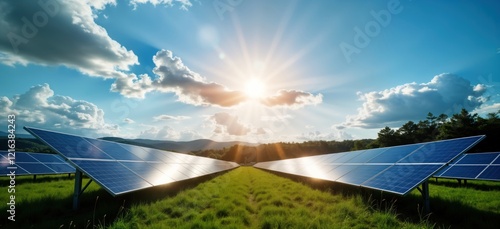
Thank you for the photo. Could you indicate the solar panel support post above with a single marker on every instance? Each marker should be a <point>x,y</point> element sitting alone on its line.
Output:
<point>425,195</point>
<point>77,191</point>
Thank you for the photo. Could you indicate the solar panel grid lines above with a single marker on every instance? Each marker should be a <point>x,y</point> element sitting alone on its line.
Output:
<point>473,166</point>
<point>401,179</point>
<point>397,169</point>
<point>34,164</point>
<point>6,167</point>
<point>446,149</point>
<point>121,168</point>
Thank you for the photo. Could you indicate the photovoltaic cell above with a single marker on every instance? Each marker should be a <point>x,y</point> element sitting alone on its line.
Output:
<point>439,152</point>
<point>491,173</point>
<point>47,158</point>
<point>477,159</point>
<point>366,155</point>
<point>6,168</point>
<point>115,177</point>
<point>33,164</point>
<point>36,168</point>
<point>69,145</point>
<point>394,154</point>
<point>24,157</point>
<point>401,179</point>
<point>120,168</point>
<point>361,174</point>
<point>396,169</point>
<point>474,166</point>
<point>61,167</point>
<point>463,171</point>
<point>113,149</point>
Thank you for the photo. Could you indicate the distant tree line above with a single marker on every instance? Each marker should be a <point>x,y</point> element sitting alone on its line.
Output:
<point>431,129</point>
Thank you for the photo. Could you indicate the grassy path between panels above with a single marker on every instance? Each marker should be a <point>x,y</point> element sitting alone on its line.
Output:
<point>250,198</point>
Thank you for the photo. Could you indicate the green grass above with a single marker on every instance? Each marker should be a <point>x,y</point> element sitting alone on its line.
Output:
<point>250,198</point>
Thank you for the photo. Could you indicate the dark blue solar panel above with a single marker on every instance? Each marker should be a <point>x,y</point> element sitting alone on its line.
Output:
<point>6,168</point>
<point>477,158</point>
<point>69,145</point>
<point>332,158</point>
<point>463,171</point>
<point>346,157</point>
<point>164,156</point>
<point>47,158</point>
<point>496,161</point>
<point>4,171</point>
<point>36,168</point>
<point>339,171</point>
<point>171,170</point>
<point>491,173</point>
<point>361,174</point>
<point>401,179</point>
<point>148,172</point>
<point>61,167</point>
<point>113,176</point>
<point>441,151</point>
<point>121,168</point>
<point>113,149</point>
<point>367,155</point>
<point>142,153</point>
<point>394,154</point>
<point>24,157</point>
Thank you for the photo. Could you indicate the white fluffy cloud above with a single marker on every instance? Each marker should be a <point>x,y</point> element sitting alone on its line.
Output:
<point>40,107</point>
<point>293,99</point>
<point>445,93</point>
<point>128,121</point>
<point>169,133</point>
<point>170,117</point>
<point>191,88</point>
<point>57,32</point>
<point>226,123</point>
<point>184,4</point>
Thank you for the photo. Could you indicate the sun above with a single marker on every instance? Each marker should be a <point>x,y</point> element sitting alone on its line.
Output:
<point>255,89</point>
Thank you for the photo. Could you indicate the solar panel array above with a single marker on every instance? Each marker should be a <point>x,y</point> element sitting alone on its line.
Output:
<point>474,166</point>
<point>33,164</point>
<point>397,169</point>
<point>121,168</point>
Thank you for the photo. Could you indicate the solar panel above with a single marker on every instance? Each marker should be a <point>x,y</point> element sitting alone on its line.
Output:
<point>491,173</point>
<point>397,169</point>
<point>6,168</point>
<point>474,166</point>
<point>34,164</point>
<point>401,179</point>
<point>121,168</point>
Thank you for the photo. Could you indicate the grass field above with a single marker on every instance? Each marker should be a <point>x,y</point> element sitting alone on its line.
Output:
<point>250,198</point>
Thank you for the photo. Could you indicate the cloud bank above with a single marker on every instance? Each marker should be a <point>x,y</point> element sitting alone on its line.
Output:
<point>40,107</point>
<point>445,93</point>
<point>226,123</point>
<point>191,88</point>
<point>57,32</point>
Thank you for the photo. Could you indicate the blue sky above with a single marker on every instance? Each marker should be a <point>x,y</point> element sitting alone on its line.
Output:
<point>251,70</point>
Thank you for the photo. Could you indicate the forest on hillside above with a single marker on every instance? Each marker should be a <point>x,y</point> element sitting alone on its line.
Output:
<point>432,128</point>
